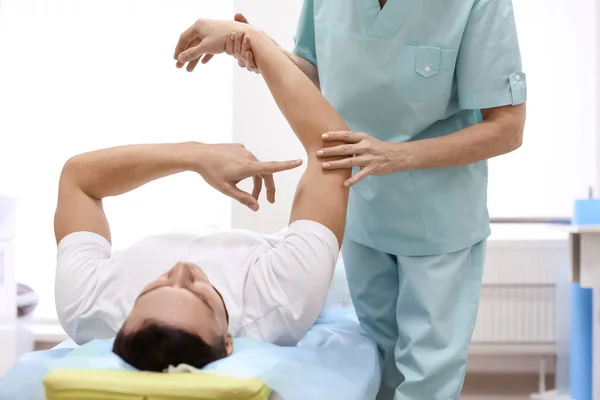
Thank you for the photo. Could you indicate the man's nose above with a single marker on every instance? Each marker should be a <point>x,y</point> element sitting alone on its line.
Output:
<point>181,273</point>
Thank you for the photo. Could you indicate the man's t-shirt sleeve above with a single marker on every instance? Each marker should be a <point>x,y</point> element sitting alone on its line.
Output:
<point>83,259</point>
<point>287,285</point>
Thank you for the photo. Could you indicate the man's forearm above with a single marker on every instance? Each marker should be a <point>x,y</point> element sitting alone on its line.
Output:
<point>305,66</point>
<point>302,104</point>
<point>118,170</point>
<point>497,134</point>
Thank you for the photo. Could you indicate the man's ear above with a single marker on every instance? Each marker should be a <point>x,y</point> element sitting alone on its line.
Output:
<point>229,344</point>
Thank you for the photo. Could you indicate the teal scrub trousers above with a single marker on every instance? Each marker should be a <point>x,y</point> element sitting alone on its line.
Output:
<point>421,311</point>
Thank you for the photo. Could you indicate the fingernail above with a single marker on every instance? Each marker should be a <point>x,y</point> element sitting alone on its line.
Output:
<point>347,184</point>
<point>254,207</point>
<point>246,39</point>
<point>232,36</point>
<point>325,136</point>
<point>247,54</point>
<point>326,165</point>
<point>320,153</point>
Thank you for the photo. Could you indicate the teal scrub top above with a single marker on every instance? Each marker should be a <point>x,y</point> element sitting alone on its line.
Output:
<point>413,70</point>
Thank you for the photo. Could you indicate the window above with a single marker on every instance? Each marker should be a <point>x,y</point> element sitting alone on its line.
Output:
<point>556,162</point>
<point>81,75</point>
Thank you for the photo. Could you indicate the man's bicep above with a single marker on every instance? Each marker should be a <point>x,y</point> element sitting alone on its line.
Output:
<point>322,197</point>
<point>78,212</point>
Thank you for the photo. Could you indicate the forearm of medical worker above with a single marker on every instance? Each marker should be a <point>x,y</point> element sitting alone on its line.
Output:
<point>500,132</point>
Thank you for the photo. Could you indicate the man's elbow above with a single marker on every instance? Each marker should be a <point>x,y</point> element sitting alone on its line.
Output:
<point>71,166</point>
<point>74,172</point>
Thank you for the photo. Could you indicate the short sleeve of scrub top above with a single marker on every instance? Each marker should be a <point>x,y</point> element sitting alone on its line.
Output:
<point>305,35</point>
<point>488,68</point>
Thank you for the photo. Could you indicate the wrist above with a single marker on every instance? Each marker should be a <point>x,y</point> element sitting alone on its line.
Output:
<point>257,36</point>
<point>403,156</point>
<point>190,156</point>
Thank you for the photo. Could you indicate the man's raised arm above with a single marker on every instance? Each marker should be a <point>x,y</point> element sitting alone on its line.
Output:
<point>320,196</point>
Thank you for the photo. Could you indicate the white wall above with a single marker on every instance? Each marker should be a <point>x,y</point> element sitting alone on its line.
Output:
<point>116,84</point>
<point>257,120</point>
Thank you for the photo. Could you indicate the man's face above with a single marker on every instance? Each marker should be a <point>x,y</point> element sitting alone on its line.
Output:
<point>183,298</point>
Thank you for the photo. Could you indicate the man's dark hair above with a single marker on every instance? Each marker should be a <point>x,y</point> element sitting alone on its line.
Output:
<point>155,346</point>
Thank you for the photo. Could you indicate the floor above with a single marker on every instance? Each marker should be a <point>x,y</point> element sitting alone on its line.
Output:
<point>508,386</point>
<point>492,397</point>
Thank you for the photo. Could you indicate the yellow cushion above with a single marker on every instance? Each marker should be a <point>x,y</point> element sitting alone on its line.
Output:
<point>71,384</point>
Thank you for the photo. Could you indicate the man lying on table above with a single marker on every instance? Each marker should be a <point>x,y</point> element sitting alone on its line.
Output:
<point>180,298</point>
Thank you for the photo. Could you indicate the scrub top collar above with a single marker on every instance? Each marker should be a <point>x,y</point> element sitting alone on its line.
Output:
<point>384,22</point>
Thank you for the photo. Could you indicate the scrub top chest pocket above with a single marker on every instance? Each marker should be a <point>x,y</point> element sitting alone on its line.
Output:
<point>425,74</point>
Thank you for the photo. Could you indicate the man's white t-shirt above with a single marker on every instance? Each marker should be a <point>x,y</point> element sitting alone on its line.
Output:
<point>274,288</point>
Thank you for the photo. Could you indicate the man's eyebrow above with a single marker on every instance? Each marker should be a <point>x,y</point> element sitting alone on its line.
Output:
<point>204,300</point>
<point>151,290</point>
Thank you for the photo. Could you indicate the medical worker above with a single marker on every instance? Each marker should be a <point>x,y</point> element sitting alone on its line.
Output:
<point>431,89</point>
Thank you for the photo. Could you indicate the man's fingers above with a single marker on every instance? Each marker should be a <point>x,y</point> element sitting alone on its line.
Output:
<point>192,53</point>
<point>341,150</point>
<point>360,175</point>
<point>270,185</point>
<point>262,168</point>
<point>179,64</point>
<point>257,186</point>
<point>344,136</point>
<point>239,17</point>
<point>192,64</point>
<point>346,163</point>
<point>244,198</point>
<point>207,58</point>
<point>184,39</point>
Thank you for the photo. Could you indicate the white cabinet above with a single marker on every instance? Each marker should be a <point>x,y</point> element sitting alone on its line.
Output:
<point>8,286</point>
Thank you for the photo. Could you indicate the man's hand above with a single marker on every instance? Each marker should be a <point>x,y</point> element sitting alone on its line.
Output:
<point>223,166</point>
<point>204,38</point>
<point>238,46</point>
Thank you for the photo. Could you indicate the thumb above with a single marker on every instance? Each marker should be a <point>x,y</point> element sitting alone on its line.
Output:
<point>192,53</point>
<point>243,197</point>
<point>239,17</point>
